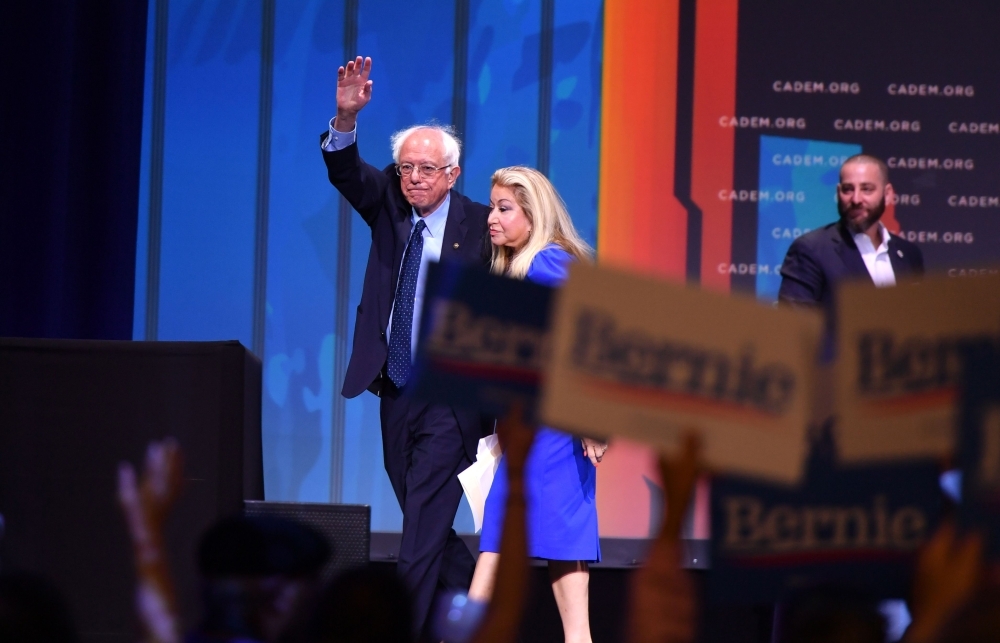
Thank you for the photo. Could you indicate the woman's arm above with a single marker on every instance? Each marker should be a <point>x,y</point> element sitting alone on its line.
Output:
<point>663,607</point>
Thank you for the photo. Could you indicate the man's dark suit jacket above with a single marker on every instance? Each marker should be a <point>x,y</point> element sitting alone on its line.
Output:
<point>378,198</point>
<point>819,260</point>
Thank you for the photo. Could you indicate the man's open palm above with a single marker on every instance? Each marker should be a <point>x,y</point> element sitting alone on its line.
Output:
<point>354,90</point>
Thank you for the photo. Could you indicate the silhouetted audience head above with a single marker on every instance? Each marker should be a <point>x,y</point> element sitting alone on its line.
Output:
<point>830,614</point>
<point>364,606</point>
<point>260,576</point>
<point>32,610</point>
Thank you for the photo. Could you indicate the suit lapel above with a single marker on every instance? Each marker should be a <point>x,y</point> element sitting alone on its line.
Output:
<point>849,253</point>
<point>900,262</point>
<point>402,227</point>
<point>454,231</point>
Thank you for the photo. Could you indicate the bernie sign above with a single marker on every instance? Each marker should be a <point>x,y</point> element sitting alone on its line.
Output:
<point>483,339</point>
<point>899,365</point>
<point>645,359</point>
<point>979,443</point>
<point>860,525</point>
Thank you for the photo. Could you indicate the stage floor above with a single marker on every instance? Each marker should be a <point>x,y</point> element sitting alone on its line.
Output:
<point>616,553</point>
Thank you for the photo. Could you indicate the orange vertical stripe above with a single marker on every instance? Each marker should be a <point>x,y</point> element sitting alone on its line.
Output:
<point>640,223</point>
<point>712,149</point>
<point>641,226</point>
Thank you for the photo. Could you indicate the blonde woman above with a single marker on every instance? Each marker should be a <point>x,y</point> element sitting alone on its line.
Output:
<point>533,238</point>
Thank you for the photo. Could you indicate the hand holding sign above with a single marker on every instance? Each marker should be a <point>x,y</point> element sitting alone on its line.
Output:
<point>663,604</point>
<point>503,616</point>
<point>949,571</point>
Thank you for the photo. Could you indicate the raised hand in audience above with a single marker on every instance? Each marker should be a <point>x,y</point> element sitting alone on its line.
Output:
<point>146,503</point>
<point>663,607</point>
<point>503,616</point>
<point>949,571</point>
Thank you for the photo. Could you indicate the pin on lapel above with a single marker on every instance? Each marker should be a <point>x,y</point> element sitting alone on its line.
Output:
<point>900,253</point>
<point>456,248</point>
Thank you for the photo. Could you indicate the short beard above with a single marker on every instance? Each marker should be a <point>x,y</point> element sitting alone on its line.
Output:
<point>873,216</point>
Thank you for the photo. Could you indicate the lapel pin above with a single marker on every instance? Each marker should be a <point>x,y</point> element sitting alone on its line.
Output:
<point>456,247</point>
<point>899,252</point>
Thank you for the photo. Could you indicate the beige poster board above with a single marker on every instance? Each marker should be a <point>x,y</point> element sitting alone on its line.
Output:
<point>897,363</point>
<point>645,359</point>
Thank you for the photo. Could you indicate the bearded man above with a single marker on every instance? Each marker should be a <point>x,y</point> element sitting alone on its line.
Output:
<point>856,246</point>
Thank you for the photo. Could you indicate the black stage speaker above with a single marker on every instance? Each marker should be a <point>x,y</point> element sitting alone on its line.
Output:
<point>70,411</point>
<point>347,528</point>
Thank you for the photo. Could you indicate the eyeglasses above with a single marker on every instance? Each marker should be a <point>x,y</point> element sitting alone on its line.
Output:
<point>425,170</point>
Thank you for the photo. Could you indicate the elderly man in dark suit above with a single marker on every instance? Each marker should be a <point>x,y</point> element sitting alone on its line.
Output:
<point>415,216</point>
<point>856,246</point>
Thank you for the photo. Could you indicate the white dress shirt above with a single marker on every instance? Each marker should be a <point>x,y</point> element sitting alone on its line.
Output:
<point>433,239</point>
<point>876,259</point>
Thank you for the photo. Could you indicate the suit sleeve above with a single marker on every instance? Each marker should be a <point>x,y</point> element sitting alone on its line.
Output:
<point>801,278</point>
<point>363,185</point>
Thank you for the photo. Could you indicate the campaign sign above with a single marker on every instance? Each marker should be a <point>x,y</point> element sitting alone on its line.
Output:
<point>979,443</point>
<point>860,525</point>
<point>647,360</point>
<point>898,363</point>
<point>483,339</point>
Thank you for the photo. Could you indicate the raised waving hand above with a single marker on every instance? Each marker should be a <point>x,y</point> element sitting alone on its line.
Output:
<point>354,90</point>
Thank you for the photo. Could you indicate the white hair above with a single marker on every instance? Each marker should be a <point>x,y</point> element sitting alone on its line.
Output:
<point>452,146</point>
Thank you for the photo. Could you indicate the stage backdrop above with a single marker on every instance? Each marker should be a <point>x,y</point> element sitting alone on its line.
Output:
<point>693,139</point>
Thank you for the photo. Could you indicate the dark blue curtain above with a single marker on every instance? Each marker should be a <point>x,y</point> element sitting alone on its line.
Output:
<point>71,74</point>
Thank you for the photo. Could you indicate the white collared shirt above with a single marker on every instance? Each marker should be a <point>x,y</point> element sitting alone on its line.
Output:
<point>876,259</point>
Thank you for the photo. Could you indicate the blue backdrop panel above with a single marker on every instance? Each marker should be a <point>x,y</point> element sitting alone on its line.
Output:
<point>210,162</point>
<point>576,109</point>
<point>301,255</point>
<point>795,194</point>
<point>502,90</point>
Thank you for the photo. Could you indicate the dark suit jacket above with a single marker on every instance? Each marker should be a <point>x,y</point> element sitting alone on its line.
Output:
<point>819,260</point>
<point>378,198</point>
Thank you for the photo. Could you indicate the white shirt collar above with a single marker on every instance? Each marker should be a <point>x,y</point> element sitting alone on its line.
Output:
<point>861,238</point>
<point>435,221</point>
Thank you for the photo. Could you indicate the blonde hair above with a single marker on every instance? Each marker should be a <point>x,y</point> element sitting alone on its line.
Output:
<point>546,212</point>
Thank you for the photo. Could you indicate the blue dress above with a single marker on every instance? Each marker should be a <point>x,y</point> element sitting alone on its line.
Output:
<point>560,481</point>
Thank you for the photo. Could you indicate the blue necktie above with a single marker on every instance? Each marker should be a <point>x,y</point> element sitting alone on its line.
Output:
<point>402,313</point>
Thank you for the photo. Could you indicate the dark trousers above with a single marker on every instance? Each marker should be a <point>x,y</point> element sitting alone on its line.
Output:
<point>424,451</point>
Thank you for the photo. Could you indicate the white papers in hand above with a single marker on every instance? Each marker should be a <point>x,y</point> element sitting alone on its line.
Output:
<point>477,479</point>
